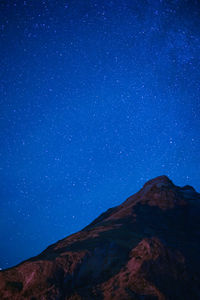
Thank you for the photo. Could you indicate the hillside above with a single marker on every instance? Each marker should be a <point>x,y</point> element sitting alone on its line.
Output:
<point>146,248</point>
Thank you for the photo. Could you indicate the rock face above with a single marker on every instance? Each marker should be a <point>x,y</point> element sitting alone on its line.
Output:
<point>146,248</point>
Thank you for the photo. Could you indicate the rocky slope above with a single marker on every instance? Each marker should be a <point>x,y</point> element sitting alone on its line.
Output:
<point>145,248</point>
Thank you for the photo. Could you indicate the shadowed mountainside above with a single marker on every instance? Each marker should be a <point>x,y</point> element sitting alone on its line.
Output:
<point>146,248</point>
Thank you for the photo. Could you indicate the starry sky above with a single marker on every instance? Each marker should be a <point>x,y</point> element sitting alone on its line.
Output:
<point>97,97</point>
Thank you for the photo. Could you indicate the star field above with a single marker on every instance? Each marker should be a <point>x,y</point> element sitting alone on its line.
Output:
<point>97,97</point>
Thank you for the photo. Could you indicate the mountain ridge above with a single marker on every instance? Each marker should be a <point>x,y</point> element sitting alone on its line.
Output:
<point>145,248</point>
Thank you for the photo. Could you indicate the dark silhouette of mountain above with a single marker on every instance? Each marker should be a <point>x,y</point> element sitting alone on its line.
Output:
<point>146,248</point>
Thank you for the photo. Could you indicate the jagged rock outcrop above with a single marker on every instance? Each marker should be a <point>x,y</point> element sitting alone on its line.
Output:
<point>146,248</point>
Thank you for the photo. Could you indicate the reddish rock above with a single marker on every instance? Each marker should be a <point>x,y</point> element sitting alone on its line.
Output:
<point>146,248</point>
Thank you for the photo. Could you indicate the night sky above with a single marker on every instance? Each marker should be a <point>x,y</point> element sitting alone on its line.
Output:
<point>97,97</point>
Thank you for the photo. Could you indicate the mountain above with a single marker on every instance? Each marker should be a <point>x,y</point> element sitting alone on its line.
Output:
<point>147,248</point>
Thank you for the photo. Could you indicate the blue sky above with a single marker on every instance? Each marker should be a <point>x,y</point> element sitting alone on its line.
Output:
<point>97,97</point>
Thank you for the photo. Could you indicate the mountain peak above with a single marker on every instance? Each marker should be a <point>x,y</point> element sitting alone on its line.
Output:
<point>136,250</point>
<point>158,192</point>
<point>159,181</point>
<point>163,193</point>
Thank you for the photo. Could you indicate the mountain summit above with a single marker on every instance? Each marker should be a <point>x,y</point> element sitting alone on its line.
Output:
<point>147,248</point>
